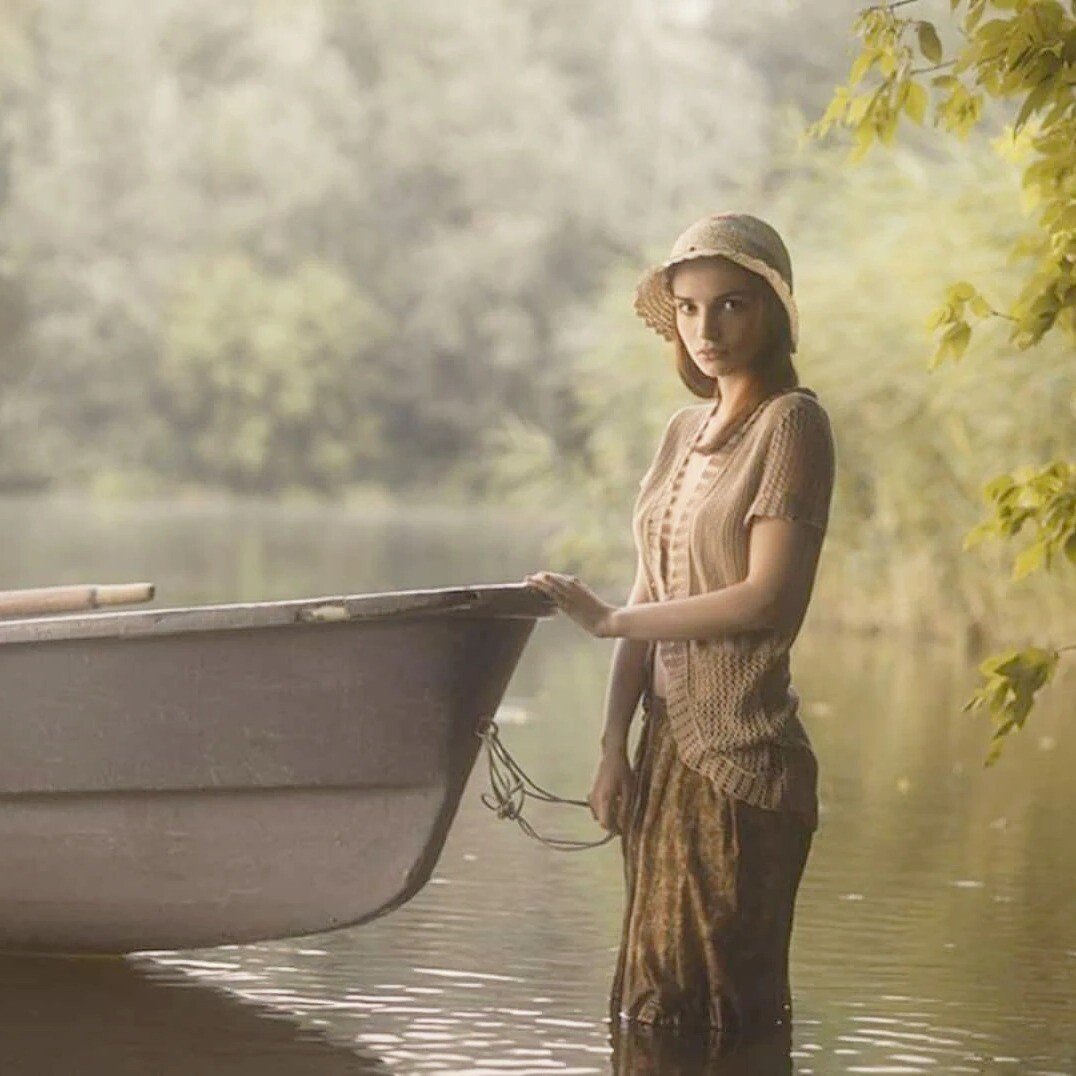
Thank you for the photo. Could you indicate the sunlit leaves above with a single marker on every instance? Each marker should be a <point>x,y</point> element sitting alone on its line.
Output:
<point>952,315</point>
<point>1010,683</point>
<point>960,111</point>
<point>1039,96</point>
<point>1026,51</point>
<point>913,99</point>
<point>1045,499</point>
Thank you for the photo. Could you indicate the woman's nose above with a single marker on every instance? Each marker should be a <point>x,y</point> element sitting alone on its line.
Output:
<point>709,328</point>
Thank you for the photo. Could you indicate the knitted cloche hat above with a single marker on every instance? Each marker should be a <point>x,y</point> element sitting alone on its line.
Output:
<point>740,237</point>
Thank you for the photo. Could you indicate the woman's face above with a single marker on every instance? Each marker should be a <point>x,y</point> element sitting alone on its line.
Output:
<point>721,314</point>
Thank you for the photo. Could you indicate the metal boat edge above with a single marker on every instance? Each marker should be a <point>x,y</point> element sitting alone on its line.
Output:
<point>513,600</point>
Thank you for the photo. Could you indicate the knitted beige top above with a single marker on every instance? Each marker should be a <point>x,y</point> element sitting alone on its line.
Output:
<point>732,709</point>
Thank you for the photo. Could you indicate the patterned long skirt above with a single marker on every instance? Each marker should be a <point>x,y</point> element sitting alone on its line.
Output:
<point>711,884</point>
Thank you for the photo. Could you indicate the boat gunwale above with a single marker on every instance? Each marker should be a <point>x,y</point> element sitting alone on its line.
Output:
<point>497,600</point>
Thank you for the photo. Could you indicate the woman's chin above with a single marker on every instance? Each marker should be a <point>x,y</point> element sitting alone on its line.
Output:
<point>718,365</point>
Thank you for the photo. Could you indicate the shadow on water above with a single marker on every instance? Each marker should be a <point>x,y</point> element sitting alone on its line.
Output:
<point>104,1016</point>
<point>639,1050</point>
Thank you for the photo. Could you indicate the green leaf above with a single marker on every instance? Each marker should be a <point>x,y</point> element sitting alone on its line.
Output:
<point>859,108</point>
<point>915,102</point>
<point>1034,101</point>
<point>864,137</point>
<point>929,42</point>
<point>998,486</point>
<point>957,338</point>
<point>1008,693</point>
<point>1002,665</point>
<point>939,316</point>
<point>979,533</point>
<point>863,63</point>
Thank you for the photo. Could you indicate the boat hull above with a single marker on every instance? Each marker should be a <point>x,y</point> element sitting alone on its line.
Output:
<point>170,787</point>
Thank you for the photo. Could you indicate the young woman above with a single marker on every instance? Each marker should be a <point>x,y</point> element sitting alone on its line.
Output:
<point>718,813</point>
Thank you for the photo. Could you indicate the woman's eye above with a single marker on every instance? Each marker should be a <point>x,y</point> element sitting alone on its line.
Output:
<point>689,308</point>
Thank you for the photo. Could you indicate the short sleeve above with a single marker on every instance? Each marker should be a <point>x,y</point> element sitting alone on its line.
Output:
<point>798,467</point>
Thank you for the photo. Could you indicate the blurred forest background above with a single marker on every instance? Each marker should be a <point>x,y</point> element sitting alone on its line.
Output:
<point>347,248</point>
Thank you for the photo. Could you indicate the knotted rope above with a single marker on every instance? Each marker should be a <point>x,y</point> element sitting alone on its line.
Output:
<point>511,787</point>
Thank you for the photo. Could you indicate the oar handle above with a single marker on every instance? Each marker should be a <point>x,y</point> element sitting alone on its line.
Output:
<point>72,598</point>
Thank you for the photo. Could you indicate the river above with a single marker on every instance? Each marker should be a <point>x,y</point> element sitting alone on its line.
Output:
<point>934,929</point>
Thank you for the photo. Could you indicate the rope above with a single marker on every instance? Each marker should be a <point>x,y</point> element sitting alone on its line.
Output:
<point>511,787</point>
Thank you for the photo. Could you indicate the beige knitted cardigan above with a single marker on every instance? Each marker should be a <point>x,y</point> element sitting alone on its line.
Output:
<point>732,709</point>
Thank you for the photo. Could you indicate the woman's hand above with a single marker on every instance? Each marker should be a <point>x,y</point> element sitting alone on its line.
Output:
<point>577,600</point>
<point>611,794</point>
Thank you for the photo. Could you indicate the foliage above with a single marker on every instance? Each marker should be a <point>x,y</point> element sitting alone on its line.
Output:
<point>1008,691</point>
<point>473,173</point>
<point>268,379</point>
<point>1045,498</point>
<point>1026,51</point>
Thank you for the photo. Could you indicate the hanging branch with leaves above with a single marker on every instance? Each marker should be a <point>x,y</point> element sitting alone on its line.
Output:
<point>1024,49</point>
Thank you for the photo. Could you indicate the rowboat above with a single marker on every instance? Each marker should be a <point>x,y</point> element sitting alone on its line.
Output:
<point>207,775</point>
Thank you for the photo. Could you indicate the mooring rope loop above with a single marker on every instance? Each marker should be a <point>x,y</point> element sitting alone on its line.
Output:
<point>510,788</point>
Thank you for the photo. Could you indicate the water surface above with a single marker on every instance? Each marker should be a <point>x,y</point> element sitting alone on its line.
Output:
<point>934,928</point>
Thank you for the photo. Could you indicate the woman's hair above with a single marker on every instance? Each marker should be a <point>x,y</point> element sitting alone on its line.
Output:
<point>774,364</point>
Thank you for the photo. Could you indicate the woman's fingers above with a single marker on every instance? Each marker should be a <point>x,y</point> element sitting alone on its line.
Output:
<point>552,581</point>
<point>604,809</point>
<point>605,813</point>
<point>597,801</point>
<point>611,795</point>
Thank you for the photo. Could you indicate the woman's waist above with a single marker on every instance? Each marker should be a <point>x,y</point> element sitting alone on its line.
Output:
<point>733,724</point>
<point>759,686</point>
<point>768,773</point>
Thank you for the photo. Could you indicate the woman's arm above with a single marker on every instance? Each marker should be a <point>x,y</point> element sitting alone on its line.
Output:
<point>613,786</point>
<point>627,675</point>
<point>782,561</point>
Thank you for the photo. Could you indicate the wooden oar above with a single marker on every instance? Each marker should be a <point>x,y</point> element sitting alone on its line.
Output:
<point>67,599</point>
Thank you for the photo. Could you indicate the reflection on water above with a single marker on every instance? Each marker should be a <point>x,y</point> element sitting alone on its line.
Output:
<point>104,1017</point>
<point>645,1051</point>
<point>934,928</point>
